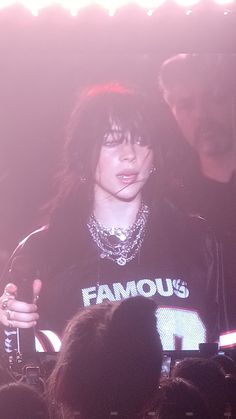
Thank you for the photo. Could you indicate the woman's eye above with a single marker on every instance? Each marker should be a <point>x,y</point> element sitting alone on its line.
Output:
<point>116,138</point>
<point>112,139</point>
<point>140,140</point>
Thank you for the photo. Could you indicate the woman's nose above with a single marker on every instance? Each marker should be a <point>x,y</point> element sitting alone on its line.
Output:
<point>128,150</point>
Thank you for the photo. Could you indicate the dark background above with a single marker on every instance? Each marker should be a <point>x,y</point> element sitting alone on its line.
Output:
<point>46,60</point>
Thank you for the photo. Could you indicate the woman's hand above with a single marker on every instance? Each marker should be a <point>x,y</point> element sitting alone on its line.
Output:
<point>15,313</point>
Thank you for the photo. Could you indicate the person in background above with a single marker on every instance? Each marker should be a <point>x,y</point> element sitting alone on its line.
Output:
<point>178,399</point>
<point>200,90</point>
<point>110,361</point>
<point>209,379</point>
<point>226,363</point>
<point>20,401</point>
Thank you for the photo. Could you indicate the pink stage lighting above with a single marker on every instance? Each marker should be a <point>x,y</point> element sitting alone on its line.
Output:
<point>150,4</point>
<point>187,3</point>
<point>6,3</point>
<point>110,5</point>
<point>224,2</point>
<point>74,5</point>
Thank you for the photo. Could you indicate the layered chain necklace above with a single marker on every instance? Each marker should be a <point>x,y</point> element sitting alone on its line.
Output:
<point>120,245</point>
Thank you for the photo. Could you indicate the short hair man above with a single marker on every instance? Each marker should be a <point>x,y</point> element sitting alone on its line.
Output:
<point>200,90</point>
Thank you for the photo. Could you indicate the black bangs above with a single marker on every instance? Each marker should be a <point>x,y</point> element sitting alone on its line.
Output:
<point>119,128</point>
<point>129,115</point>
<point>94,116</point>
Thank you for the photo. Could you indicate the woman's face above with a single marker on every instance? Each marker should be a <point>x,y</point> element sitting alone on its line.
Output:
<point>124,165</point>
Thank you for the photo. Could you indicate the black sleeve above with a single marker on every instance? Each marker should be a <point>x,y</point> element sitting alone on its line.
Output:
<point>25,262</point>
<point>28,255</point>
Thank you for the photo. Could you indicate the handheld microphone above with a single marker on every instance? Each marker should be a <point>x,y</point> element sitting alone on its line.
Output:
<point>22,275</point>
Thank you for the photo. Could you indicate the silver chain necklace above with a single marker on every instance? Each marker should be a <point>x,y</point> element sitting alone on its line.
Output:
<point>119,244</point>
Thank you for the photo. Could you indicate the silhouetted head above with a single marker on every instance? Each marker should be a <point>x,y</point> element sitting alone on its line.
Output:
<point>179,399</point>
<point>20,401</point>
<point>110,359</point>
<point>209,378</point>
<point>226,363</point>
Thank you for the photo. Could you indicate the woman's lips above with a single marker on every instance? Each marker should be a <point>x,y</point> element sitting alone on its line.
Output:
<point>127,178</point>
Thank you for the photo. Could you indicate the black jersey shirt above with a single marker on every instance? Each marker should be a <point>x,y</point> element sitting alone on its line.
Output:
<point>179,265</point>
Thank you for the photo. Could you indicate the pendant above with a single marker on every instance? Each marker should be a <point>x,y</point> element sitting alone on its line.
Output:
<point>121,236</point>
<point>121,261</point>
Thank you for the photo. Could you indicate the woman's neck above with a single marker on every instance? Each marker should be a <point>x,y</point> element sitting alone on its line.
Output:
<point>112,212</point>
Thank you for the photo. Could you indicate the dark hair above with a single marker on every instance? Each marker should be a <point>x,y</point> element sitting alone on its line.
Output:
<point>91,119</point>
<point>110,359</point>
<point>226,363</point>
<point>178,399</point>
<point>209,378</point>
<point>20,401</point>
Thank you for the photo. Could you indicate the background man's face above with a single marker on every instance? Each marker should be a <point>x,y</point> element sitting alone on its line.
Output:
<point>205,112</point>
